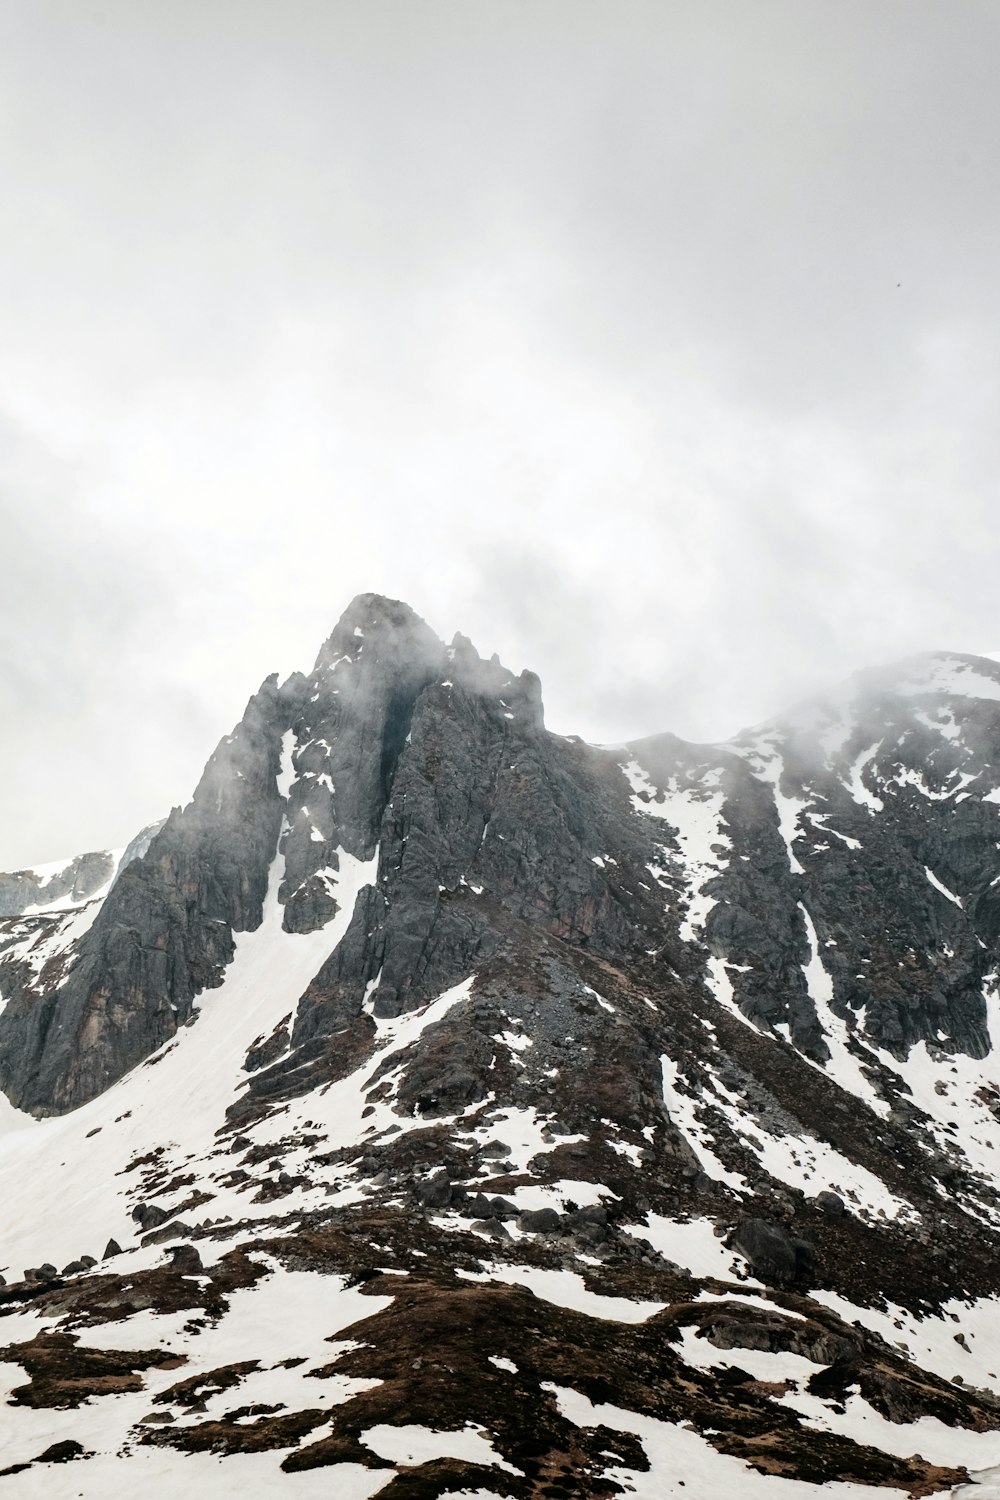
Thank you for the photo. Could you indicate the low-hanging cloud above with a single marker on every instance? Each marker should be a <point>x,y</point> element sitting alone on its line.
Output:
<point>656,351</point>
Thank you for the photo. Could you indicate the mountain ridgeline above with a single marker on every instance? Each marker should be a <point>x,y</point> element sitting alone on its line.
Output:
<point>827,826</point>
<point>666,1071</point>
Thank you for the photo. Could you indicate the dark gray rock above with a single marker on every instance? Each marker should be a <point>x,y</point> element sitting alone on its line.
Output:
<point>172,1231</point>
<point>772,1254</point>
<point>111,1248</point>
<point>165,931</point>
<point>774,1334</point>
<point>493,1227</point>
<point>186,1260</point>
<point>540,1221</point>
<point>45,1272</point>
<point>149,1216</point>
<point>81,878</point>
<point>62,1453</point>
<point>494,1151</point>
<point>434,1192</point>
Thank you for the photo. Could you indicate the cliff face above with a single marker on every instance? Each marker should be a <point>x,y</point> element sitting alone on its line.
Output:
<point>692,1043</point>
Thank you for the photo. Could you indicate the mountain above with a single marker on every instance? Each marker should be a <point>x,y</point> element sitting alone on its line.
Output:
<point>462,1109</point>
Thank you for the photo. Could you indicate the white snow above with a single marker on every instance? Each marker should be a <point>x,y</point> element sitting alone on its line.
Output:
<point>682,1110</point>
<point>157,1474</point>
<point>718,981</point>
<point>766,762</point>
<point>805,1162</point>
<point>945,674</point>
<point>567,1289</point>
<point>286,1315</point>
<point>693,1245</point>
<point>178,1098</point>
<point>939,885</point>
<point>694,810</point>
<point>682,1462</point>
<point>956,1092</point>
<point>520,1129</point>
<point>843,1066</point>
<point>856,784</point>
<point>931,1342</point>
<point>413,1445</point>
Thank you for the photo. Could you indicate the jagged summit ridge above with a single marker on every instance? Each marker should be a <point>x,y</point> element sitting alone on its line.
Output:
<point>167,930</point>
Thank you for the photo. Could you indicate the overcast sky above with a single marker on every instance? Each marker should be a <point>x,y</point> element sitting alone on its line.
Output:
<point>654,346</point>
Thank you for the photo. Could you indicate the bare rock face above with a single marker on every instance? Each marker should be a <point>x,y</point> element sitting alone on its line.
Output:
<point>74,882</point>
<point>164,933</point>
<point>353,722</point>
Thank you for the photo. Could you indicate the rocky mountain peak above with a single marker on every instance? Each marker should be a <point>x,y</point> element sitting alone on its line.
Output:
<point>385,631</point>
<point>635,1109</point>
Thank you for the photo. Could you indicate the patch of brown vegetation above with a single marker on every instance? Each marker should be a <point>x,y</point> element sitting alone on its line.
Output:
<point>64,1374</point>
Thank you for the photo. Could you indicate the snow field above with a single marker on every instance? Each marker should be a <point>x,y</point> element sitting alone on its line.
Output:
<point>683,1463</point>
<point>695,814</point>
<point>286,1315</point>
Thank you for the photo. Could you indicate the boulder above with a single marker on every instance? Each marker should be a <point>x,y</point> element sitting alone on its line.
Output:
<point>478,1206</point>
<point>771,1253</point>
<point>61,1453</point>
<point>434,1192</point>
<point>149,1216</point>
<point>45,1272</point>
<point>492,1227</point>
<point>172,1231</point>
<point>540,1221</point>
<point>110,1249</point>
<point>185,1259</point>
<point>773,1334</point>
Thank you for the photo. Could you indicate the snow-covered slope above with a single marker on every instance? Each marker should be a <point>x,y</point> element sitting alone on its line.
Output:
<point>457,1109</point>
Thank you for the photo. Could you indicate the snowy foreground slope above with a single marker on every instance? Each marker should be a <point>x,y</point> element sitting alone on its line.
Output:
<point>455,1109</point>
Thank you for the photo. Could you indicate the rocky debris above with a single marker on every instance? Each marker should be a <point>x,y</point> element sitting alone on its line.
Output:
<point>56,1453</point>
<point>44,1272</point>
<point>479,1206</point>
<point>434,1192</point>
<point>63,1372</point>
